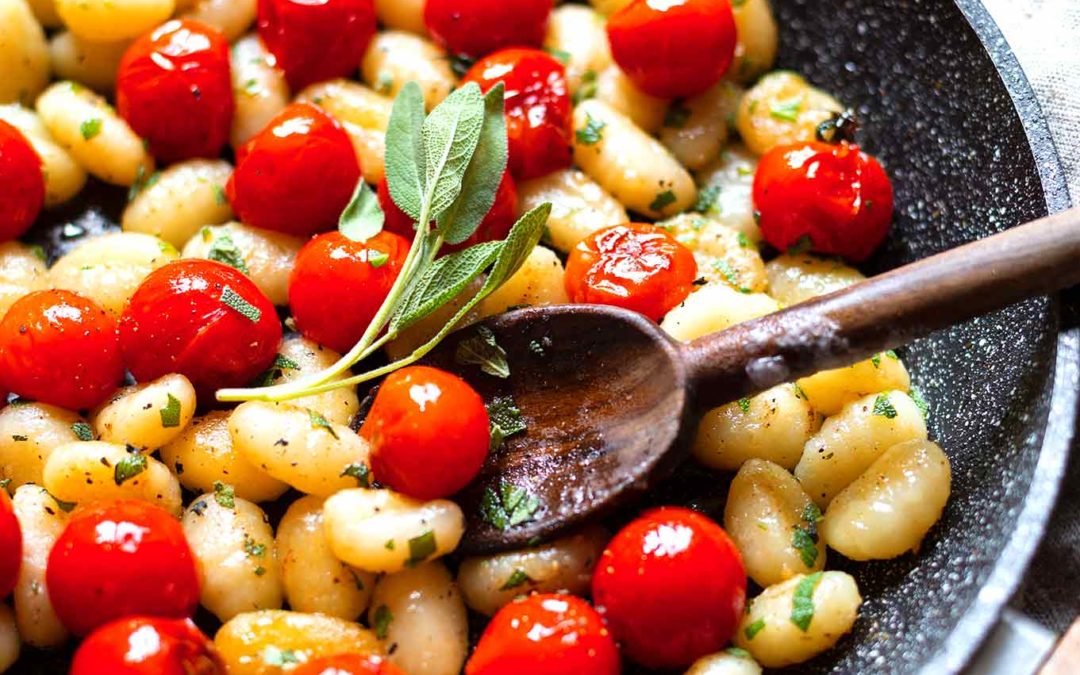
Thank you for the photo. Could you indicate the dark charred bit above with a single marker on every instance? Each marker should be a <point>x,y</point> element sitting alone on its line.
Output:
<point>840,127</point>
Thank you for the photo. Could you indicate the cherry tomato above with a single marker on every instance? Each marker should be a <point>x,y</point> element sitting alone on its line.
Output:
<point>60,348</point>
<point>538,114</point>
<point>337,285</point>
<point>635,266</point>
<point>348,664</point>
<point>545,634</point>
<point>121,558</point>
<point>429,432</point>
<point>174,88</point>
<point>836,195</point>
<point>495,225</point>
<point>203,319</point>
<point>296,175</point>
<point>316,40</point>
<point>10,545</point>
<point>671,586</point>
<point>477,27</point>
<point>146,645</point>
<point>22,184</point>
<point>675,48</point>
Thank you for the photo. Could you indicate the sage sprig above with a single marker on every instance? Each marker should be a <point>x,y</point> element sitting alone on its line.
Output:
<point>442,168</point>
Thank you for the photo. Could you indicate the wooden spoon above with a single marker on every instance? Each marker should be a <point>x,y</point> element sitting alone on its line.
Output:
<point>611,401</point>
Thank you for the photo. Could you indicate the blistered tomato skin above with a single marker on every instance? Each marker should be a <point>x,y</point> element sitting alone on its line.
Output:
<point>348,664</point>
<point>10,545</point>
<point>60,348</point>
<point>675,48</point>
<point>121,558</point>
<point>429,433</point>
<point>671,587</point>
<point>544,634</point>
<point>174,89</point>
<point>22,185</point>
<point>316,41</point>
<point>477,27</point>
<point>295,176</point>
<point>146,645</point>
<point>636,266</point>
<point>337,285</point>
<point>538,112</point>
<point>494,227</point>
<point>202,319</point>
<point>836,195</point>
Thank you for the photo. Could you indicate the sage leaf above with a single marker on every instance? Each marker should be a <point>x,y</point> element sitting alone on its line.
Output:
<point>444,280</point>
<point>523,238</point>
<point>404,150</point>
<point>450,136</point>
<point>363,218</point>
<point>483,175</point>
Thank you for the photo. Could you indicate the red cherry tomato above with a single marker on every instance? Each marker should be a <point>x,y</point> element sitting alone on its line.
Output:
<point>429,432</point>
<point>348,664</point>
<point>836,195</point>
<point>671,586</point>
<point>545,634</point>
<point>674,48</point>
<point>22,184</point>
<point>175,90</point>
<point>296,175</point>
<point>203,319</point>
<point>538,114</point>
<point>60,348</point>
<point>635,265</point>
<point>120,558</point>
<point>337,285</point>
<point>146,645</point>
<point>477,27</point>
<point>316,40</point>
<point>495,225</point>
<point>10,545</point>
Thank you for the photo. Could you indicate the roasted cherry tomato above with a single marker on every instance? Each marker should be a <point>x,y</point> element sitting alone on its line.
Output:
<point>22,184</point>
<point>635,265</point>
<point>297,175</point>
<point>337,285</point>
<point>671,586</point>
<point>545,634</point>
<point>836,197</point>
<point>477,27</point>
<point>495,225</point>
<point>348,664</point>
<point>429,432</point>
<point>174,88</point>
<point>673,48</point>
<point>538,114</point>
<point>316,41</point>
<point>60,348</point>
<point>203,319</point>
<point>121,558</point>
<point>10,545</point>
<point>147,645</point>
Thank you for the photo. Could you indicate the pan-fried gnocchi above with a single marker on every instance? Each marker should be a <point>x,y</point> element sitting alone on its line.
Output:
<point>259,89</point>
<point>538,282</point>
<point>87,471</point>
<point>758,34</point>
<point>146,416</point>
<point>579,206</point>
<point>714,307</point>
<point>723,255</point>
<point>238,559</point>
<point>782,108</point>
<point>173,204</point>
<point>726,191</point>
<point>45,12</point>
<point>24,54</point>
<point>29,432</point>
<point>112,20</point>
<point>363,113</point>
<point>796,278</point>
<point>407,15</point>
<point>313,579</point>
<point>265,256</point>
<point>696,129</point>
<point>732,661</point>
<point>42,518</point>
<point>64,178</point>
<point>301,357</point>
<point>22,271</point>
<point>578,32</point>
<point>830,390</point>
<point>232,17</point>
<point>425,625</point>
<point>616,90</point>
<point>395,58</point>
<point>93,64</point>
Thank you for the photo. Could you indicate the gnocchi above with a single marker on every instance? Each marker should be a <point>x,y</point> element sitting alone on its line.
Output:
<point>395,58</point>
<point>112,20</point>
<point>578,32</point>
<point>64,178</point>
<point>407,15</point>
<point>782,108</point>
<point>830,390</point>
<point>695,130</point>
<point>24,54</point>
<point>797,278</point>
<point>147,416</point>
<point>42,518</point>
<point>714,307</point>
<point>733,661</point>
<point>726,191</point>
<point>579,206</point>
<point>265,256</point>
<point>9,638</point>
<point>538,282</point>
<point>22,271</point>
<point>86,471</point>
<point>94,64</point>
<point>232,17</point>
<point>29,432</point>
<point>175,203</point>
<point>259,89</point>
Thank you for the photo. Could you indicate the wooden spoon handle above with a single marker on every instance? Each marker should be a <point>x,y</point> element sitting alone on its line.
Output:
<point>887,311</point>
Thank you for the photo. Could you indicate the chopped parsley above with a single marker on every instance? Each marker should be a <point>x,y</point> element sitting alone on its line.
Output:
<point>663,200</point>
<point>677,115</point>
<point>737,652</point>
<point>260,570</point>
<point>802,603</point>
<point>129,467</point>
<point>319,422</point>
<point>253,548</point>
<point>142,182</point>
<point>707,197</point>
<point>66,507</point>
<point>360,472</point>
<point>238,304</point>
<point>505,419</point>
<point>276,370</point>
<point>920,402</point>
<point>377,258</point>
<point>508,507</point>
<point>389,545</point>
<point>482,350</point>
<point>593,131</point>
<point>90,128</point>
<point>787,110</point>
<point>805,537</point>
<point>170,414</point>
<point>224,495</point>
<point>518,578</point>
<point>892,354</point>
<point>421,548</point>
<point>587,89</point>
<point>272,656</point>
<point>728,272</point>
<point>220,198</point>
<point>744,404</point>
<point>876,360</point>
<point>753,629</point>
<point>224,250</point>
<point>884,407</point>
<point>381,621</point>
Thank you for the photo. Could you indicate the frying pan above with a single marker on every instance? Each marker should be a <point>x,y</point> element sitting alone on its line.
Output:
<point>947,108</point>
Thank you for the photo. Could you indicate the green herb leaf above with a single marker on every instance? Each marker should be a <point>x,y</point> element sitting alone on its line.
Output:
<point>754,628</point>
<point>593,131</point>
<point>253,548</point>
<point>82,431</point>
<point>404,154</point>
<point>276,370</point>
<point>805,537</point>
<point>802,602</point>
<point>738,652</point>
<point>663,200</point>
<point>884,407</point>
<point>129,467</point>
<point>272,656</point>
<point>744,241</point>
<point>90,128</point>
<point>892,355</point>
<point>170,414</point>
<point>787,110</point>
<point>381,621</point>
<point>377,258</point>
<point>224,495</point>
<point>220,198</point>
<point>238,304</point>
<point>319,422</point>
<point>518,578</point>
<point>920,402</point>
<point>587,88</point>
<point>876,360</point>
<point>142,182</point>
<point>421,548</point>
<point>451,134</point>
<point>360,472</point>
<point>707,197</point>
<point>505,414</point>
<point>363,218</point>
<point>224,251</point>
<point>444,280</point>
<point>508,507</point>
<point>799,393</point>
<point>744,404</point>
<point>482,350</point>
<point>523,238</point>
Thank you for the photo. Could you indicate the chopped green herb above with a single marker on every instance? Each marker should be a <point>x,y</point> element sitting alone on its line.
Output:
<point>593,131</point>
<point>90,128</point>
<point>360,472</point>
<point>884,407</point>
<point>377,258</point>
<point>224,250</point>
<point>129,467</point>
<point>754,628</point>
<point>357,580</point>
<point>744,171</point>
<point>381,621</point>
<point>5,483</point>
<point>281,364</point>
<point>66,507</point>
<point>142,182</point>
<point>587,88</point>
<point>319,422</point>
<point>505,419</point>
<point>805,537</point>
<point>744,241</point>
<point>799,393</point>
<point>170,414</point>
<point>260,570</point>
<point>253,548</point>
<point>787,110</point>
<point>224,495</point>
<point>272,656</point>
<point>38,252</point>
<point>677,115</point>
<point>560,55</point>
<point>482,350</point>
<point>707,197</point>
<point>518,578</point>
<point>508,507</point>
<point>724,268</point>
<point>663,200</point>
<point>220,198</point>
<point>389,545</point>
<point>238,304</point>
<point>802,603</point>
<point>251,87</point>
<point>421,548</point>
<point>744,404</point>
<point>876,360</point>
<point>892,355</point>
<point>920,402</point>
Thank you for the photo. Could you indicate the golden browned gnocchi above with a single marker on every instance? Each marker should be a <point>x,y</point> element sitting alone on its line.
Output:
<point>22,271</point>
<point>24,54</point>
<point>41,518</point>
<point>29,432</point>
<point>538,282</point>
<point>888,510</point>
<point>726,191</point>
<point>714,307</point>
<point>232,17</point>
<point>175,203</point>
<point>578,33</point>
<point>758,34</point>
<point>45,12</point>
<point>266,257</point>
<point>830,390</point>
<point>405,15</point>
<point>723,255</point>
<point>64,178</point>
<point>86,471</point>
<point>313,579</point>
<point>782,108</point>
<point>363,113</point>
<point>579,206</point>
<point>795,278</point>
<point>237,558</point>
<point>259,89</point>
<point>146,416</point>
<point>93,64</point>
<point>300,357</point>
<point>732,661</point>
<point>695,130</point>
<point>395,58</point>
<point>112,20</point>
<point>615,89</point>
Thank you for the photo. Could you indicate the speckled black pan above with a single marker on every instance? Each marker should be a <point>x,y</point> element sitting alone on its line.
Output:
<point>947,108</point>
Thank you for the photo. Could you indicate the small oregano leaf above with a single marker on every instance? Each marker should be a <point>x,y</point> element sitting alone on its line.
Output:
<point>404,154</point>
<point>450,136</point>
<point>363,218</point>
